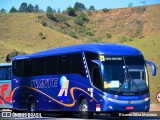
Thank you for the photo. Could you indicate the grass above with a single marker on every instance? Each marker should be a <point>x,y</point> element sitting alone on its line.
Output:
<point>20,31</point>
<point>150,47</point>
<point>120,22</point>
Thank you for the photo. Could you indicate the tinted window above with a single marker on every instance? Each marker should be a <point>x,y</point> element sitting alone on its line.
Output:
<point>96,77</point>
<point>77,65</point>
<point>64,64</point>
<point>89,57</point>
<point>39,68</point>
<point>135,60</point>
<point>51,65</point>
<point>18,67</point>
<point>5,73</point>
<point>28,67</point>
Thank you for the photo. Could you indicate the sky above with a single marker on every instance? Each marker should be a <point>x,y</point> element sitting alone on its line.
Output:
<point>63,4</point>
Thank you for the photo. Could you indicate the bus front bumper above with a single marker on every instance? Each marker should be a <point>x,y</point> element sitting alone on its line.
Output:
<point>126,105</point>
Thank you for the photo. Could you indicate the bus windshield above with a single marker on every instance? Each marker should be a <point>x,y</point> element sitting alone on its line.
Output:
<point>125,75</point>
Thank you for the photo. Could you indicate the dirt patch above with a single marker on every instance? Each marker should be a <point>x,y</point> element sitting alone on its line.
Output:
<point>155,107</point>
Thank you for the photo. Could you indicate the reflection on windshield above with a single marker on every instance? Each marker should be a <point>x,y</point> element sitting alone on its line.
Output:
<point>125,75</point>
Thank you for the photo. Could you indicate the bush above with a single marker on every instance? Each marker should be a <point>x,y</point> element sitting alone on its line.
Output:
<point>96,40</point>
<point>43,23</point>
<point>62,18</point>
<point>73,34</point>
<point>70,11</point>
<point>41,35</point>
<point>12,54</point>
<point>125,39</point>
<point>52,17</point>
<point>89,32</point>
<point>81,19</point>
<point>108,36</point>
<point>105,10</point>
<point>78,21</point>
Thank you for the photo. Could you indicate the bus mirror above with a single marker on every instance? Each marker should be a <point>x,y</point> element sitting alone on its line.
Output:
<point>153,66</point>
<point>100,65</point>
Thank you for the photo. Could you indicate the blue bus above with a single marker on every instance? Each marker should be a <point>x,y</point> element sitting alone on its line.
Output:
<point>5,86</point>
<point>86,78</point>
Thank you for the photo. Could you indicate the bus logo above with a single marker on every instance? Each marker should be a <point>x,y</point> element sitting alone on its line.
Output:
<point>129,102</point>
<point>5,94</point>
<point>64,86</point>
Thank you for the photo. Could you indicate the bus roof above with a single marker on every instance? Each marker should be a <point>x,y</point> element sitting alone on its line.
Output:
<point>100,48</point>
<point>5,64</point>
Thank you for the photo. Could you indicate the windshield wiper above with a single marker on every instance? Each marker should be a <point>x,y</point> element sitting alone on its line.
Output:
<point>127,80</point>
<point>138,90</point>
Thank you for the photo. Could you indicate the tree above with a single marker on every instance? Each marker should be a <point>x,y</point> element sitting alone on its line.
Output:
<point>79,6</point>
<point>54,11</point>
<point>143,3</point>
<point>41,11</point>
<point>130,5</point>
<point>3,10</point>
<point>59,10</point>
<point>91,7</point>
<point>49,9</point>
<point>23,7</point>
<point>30,8</point>
<point>13,9</point>
<point>36,8</point>
<point>71,11</point>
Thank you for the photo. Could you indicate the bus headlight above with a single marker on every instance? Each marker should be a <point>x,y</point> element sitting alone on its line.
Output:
<point>146,99</point>
<point>110,107</point>
<point>110,99</point>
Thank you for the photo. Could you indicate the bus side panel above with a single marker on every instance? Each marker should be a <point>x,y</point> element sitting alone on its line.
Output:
<point>5,94</point>
<point>53,93</point>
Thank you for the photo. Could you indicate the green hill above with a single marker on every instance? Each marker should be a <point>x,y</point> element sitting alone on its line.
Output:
<point>24,32</point>
<point>137,26</point>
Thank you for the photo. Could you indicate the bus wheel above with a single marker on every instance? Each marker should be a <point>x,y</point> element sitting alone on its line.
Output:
<point>83,110</point>
<point>32,106</point>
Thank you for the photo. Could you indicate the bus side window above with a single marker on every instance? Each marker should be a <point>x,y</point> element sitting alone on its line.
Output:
<point>39,68</point>
<point>64,64</point>
<point>96,78</point>
<point>18,68</point>
<point>51,65</point>
<point>9,73</point>
<point>28,67</point>
<point>77,65</point>
<point>5,73</point>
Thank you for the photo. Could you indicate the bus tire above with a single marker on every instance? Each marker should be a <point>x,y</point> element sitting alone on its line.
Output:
<point>83,110</point>
<point>32,106</point>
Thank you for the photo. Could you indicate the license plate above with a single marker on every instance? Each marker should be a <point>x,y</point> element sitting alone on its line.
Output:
<point>129,107</point>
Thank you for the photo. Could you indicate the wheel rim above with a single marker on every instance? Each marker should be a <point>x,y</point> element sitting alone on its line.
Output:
<point>84,107</point>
